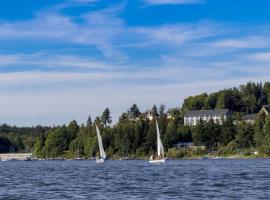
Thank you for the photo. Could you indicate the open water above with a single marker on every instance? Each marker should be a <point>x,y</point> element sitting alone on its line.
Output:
<point>176,179</point>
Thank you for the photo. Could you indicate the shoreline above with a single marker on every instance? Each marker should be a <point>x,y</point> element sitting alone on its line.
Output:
<point>27,157</point>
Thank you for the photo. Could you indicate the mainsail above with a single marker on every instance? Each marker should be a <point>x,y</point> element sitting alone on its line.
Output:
<point>101,150</point>
<point>160,148</point>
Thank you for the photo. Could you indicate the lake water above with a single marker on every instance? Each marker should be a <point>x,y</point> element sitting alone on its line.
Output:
<point>176,179</point>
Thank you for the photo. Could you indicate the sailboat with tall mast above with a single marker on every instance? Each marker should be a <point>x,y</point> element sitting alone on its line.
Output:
<point>102,154</point>
<point>160,149</point>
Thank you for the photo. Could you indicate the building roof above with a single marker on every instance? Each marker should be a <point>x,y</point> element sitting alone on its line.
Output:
<point>249,117</point>
<point>209,113</point>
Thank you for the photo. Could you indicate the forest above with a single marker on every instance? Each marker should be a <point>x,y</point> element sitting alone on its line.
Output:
<point>134,134</point>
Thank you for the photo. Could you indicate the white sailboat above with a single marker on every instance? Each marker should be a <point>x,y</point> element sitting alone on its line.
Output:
<point>160,149</point>
<point>102,154</point>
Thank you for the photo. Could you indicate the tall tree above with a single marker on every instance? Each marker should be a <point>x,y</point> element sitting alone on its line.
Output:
<point>154,111</point>
<point>162,109</point>
<point>106,117</point>
<point>245,135</point>
<point>133,112</point>
<point>73,129</point>
<point>266,142</point>
<point>89,121</point>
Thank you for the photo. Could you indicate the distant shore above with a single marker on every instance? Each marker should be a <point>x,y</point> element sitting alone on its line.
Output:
<point>29,156</point>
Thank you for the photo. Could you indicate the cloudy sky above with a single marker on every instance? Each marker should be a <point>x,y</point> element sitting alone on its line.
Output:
<point>65,59</point>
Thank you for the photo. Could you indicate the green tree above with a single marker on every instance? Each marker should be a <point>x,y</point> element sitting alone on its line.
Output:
<point>245,135</point>
<point>89,121</point>
<point>56,143</point>
<point>199,135</point>
<point>162,110</point>
<point>266,90</point>
<point>106,117</point>
<point>195,102</point>
<point>228,132</point>
<point>211,101</point>
<point>259,132</point>
<point>266,142</point>
<point>73,128</point>
<point>134,112</point>
<point>154,111</point>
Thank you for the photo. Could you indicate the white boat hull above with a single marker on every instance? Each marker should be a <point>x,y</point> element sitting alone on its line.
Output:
<point>157,161</point>
<point>100,160</point>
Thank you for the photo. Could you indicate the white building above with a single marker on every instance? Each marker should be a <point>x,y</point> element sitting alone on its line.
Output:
<point>192,117</point>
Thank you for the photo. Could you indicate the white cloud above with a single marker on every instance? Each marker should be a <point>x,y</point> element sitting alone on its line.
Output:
<point>56,106</point>
<point>40,60</point>
<point>180,33</point>
<point>175,60</point>
<point>261,57</point>
<point>244,42</point>
<point>161,2</point>
<point>98,30</point>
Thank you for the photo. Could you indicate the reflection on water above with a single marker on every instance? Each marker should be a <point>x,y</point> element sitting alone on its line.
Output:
<point>176,179</point>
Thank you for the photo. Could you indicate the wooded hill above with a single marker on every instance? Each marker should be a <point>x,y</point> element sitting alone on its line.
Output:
<point>135,135</point>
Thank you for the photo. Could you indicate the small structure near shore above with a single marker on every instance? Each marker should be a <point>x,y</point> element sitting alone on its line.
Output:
<point>16,156</point>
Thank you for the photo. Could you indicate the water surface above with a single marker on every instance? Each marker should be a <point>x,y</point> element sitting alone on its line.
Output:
<point>176,179</point>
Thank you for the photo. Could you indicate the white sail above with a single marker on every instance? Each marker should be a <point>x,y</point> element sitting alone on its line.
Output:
<point>101,149</point>
<point>160,148</point>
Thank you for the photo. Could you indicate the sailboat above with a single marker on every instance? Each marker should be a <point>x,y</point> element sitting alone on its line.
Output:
<point>102,154</point>
<point>160,149</point>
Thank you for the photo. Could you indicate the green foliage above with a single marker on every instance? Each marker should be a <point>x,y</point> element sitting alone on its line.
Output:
<point>154,111</point>
<point>211,101</point>
<point>134,135</point>
<point>176,153</point>
<point>57,142</point>
<point>89,121</point>
<point>133,112</point>
<point>5,145</point>
<point>196,102</point>
<point>106,117</point>
<point>228,132</point>
<point>230,149</point>
<point>245,135</point>
<point>207,134</point>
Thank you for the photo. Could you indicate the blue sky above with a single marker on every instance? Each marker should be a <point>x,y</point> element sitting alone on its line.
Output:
<point>62,60</point>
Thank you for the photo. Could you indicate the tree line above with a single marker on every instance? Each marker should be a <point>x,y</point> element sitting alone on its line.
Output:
<point>134,134</point>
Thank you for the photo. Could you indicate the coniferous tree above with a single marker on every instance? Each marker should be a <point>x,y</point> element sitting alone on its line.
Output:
<point>134,112</point>
<point>154,111</point>
<point>266,142</point>
<point>245,135</point>
<point>89,121</point>
<point>106,117</point>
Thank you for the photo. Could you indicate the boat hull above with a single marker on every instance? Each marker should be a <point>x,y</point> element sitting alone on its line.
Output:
<point>157,161</point>
<point>100,160</point>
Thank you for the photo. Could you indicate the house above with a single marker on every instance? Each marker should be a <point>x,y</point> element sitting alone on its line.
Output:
<point>252,117</point>
<point>266,109</point>
<point>169,114</point>
<point>184,145</point>
<point>148,115</point>
<point>249,118</point>
<point>192,117</point>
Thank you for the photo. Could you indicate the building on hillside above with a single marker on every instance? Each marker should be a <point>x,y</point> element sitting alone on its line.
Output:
<point>150,116</point>
<point>169,116</point>
<point>184,145</point>
<point>192,117</point>
<point>266,109</point>
<point>249,118</point>
<point>252,117</point>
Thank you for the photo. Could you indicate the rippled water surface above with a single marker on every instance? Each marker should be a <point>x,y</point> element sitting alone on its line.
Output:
<point>176,179</point>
